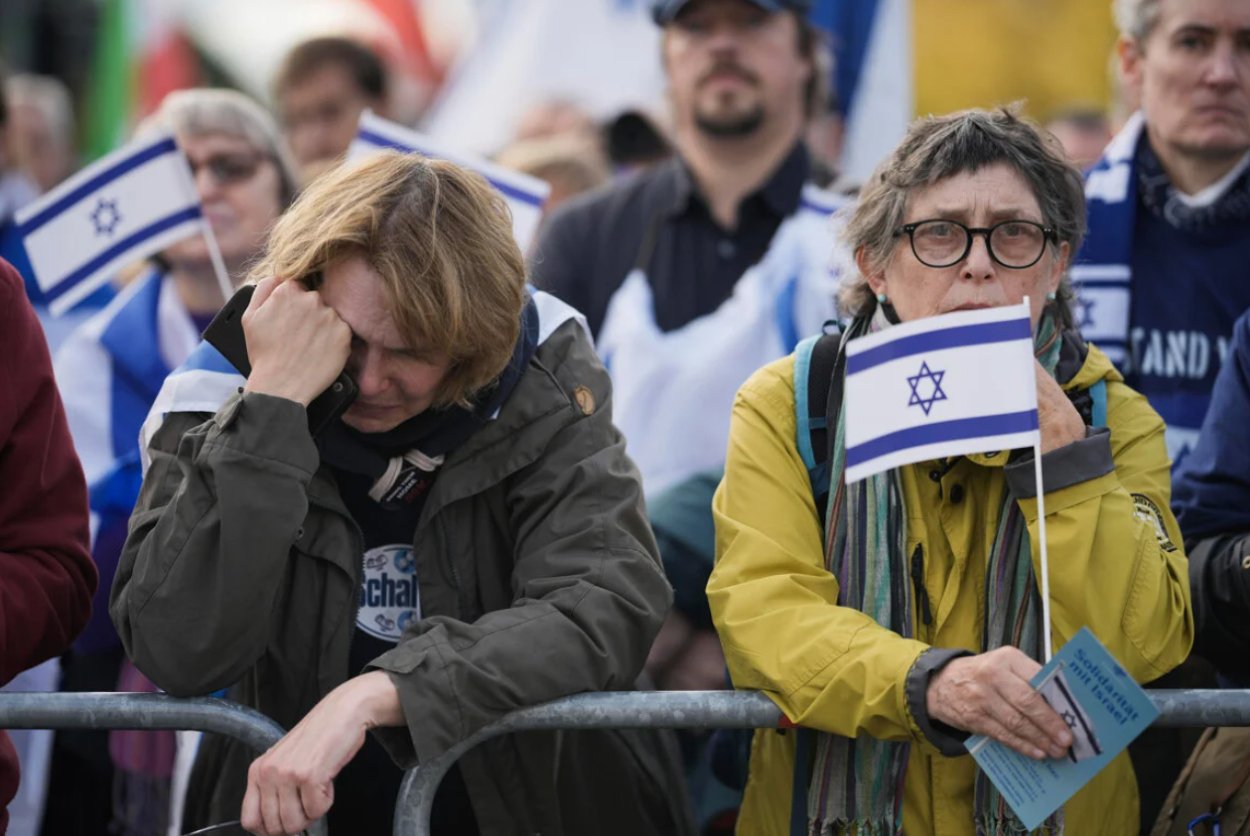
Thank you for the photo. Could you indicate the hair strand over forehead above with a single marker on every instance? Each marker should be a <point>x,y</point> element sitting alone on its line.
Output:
<point>439,238</point>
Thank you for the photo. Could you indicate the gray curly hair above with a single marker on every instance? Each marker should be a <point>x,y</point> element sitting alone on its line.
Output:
<point>939,147</point>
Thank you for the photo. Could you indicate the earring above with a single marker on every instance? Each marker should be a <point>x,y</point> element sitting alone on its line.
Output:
<point>882,298</point>
<point>1051,296</point>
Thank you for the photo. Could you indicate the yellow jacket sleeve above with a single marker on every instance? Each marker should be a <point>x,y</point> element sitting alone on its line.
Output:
<point>1117,563</point>
<point>774,603</point>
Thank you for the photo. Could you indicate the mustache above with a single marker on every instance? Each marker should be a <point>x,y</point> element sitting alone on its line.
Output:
<point>731,68</point>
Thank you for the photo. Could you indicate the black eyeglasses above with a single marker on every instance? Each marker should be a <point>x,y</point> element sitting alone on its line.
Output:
<point>228,169</point>
<point>941,243</point>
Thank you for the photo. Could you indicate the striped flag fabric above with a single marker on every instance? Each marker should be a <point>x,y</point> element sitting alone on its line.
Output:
<point>524,194</point>
<point>126,206</point>
<point>941,386</point>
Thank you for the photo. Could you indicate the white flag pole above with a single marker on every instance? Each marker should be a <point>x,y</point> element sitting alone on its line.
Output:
<point>214,251</point>
<point>1041,526</point>
<point>219,264</point>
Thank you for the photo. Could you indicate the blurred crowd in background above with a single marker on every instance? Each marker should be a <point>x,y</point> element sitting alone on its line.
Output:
<point>550,86</point>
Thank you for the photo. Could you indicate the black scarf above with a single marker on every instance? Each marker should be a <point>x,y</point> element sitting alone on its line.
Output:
<point>1159,196</point>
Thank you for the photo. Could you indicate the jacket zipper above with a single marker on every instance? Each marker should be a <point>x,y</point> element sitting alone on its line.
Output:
<point>917,579</point>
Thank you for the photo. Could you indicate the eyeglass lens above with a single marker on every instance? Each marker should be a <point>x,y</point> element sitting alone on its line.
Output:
<point>1012,243</point>
<point>228,168</point>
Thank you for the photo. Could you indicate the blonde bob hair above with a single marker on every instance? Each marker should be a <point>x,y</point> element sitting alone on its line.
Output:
<point>439,238</point>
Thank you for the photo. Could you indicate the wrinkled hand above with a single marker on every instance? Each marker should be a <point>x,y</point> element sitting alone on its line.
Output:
<point>292,785</point>
<point>1060,423</point>
<point>296,343</point>
<point>990,694</point>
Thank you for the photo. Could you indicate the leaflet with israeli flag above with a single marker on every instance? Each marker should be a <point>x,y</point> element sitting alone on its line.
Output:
<point>524,194</point>
<point>1103,708</point>
<point>128,205</point>
<point>942,386</point>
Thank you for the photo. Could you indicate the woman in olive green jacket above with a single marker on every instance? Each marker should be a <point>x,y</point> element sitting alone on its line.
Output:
<point>532,573</point>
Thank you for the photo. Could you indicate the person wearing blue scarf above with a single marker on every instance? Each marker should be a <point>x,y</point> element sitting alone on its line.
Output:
<point>1162,275</point>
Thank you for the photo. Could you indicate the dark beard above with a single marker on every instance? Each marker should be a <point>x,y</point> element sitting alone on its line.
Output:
<point>732,126</point>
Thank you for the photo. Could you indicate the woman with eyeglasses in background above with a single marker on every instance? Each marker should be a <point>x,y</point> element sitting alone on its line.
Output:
<point>109,372</point>
<point>911,617</point>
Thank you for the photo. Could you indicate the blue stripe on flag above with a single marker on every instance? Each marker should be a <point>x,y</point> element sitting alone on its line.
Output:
<point>124,167</point>
<point>1102,284</point>
<point>985,425</point>
<point>960,335</point>
<point>374,138</point>
<point>1107,342</point>
<point>206,357</point>
<point>819,208</point>
<point>156,228</point>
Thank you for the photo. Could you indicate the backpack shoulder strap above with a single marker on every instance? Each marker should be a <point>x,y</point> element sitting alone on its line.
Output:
<point>1098,397</point>
<point>814,361</point>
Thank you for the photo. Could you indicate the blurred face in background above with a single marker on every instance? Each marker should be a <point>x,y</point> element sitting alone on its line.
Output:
<point>241,192</point>
<point>320,114</point>
<point>1193,76</point>
<point>38,151</point>
<point>733,66</point>
<point>1083,137</point>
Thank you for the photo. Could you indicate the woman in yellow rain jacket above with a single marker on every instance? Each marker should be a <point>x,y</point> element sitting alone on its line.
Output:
<point>972,210</point>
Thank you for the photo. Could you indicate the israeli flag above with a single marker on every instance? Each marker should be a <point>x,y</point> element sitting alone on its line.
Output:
<point>941,386</point>
<point>132,203</point>
<point>1060,696</point>
<point>525,195</point>
<point>203,382</point>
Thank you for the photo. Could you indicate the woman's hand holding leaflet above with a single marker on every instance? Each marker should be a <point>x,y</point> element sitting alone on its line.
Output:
<point>990,694</point>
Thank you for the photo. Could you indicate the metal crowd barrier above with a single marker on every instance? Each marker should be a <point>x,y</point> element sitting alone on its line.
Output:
<point>717,710</point>
<point>33,710</point>
<point>624,710</point>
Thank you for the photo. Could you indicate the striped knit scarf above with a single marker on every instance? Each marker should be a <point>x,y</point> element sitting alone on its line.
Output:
<point>857,784</point>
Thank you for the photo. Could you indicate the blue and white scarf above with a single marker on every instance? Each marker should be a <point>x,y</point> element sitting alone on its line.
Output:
<point>1102,271</point>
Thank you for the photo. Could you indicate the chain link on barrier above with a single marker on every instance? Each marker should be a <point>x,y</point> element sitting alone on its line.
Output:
<point>32,710</point>
<point>716,710</point>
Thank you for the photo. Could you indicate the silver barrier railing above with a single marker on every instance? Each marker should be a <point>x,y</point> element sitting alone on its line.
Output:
<point>31,710</point>
<point>716,710</point>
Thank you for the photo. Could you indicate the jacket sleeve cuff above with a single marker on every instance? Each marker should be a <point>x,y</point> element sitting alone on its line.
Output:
<point>1063,467</point>
<point>946,739</point>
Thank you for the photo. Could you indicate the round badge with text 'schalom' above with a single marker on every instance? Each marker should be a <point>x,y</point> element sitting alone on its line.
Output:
<point>389,596</point>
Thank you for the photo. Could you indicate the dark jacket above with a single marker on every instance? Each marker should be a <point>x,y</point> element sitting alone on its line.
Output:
<point>46,574</point>
<point>538,578</point>
<point>1212,502</point>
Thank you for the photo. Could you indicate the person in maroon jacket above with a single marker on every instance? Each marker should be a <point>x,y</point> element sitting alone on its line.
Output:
<point>46,574</point>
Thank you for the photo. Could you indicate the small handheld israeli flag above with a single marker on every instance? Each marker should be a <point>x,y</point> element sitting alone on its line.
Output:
<point>128,205</point>
<point>942,386</point>
<point>525,195</point>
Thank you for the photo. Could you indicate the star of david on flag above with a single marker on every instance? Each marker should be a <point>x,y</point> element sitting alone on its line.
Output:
<point>525,195</point>
<point>925,395</point>
<point>132,203</point>
<point>943,386</point>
